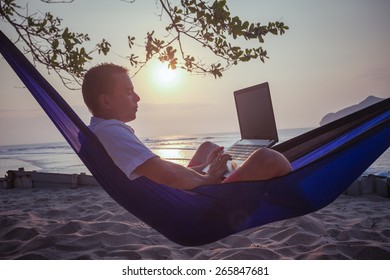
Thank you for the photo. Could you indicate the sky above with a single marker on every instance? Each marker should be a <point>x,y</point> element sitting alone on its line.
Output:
<point>334,55</point>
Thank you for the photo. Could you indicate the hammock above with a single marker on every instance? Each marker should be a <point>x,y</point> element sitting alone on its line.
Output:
<point>325,162</point>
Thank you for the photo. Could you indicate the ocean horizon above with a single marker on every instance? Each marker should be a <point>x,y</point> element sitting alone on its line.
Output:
<point>59,157</point>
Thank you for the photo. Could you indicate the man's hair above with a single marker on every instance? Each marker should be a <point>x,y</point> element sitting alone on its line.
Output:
<point>99,80</point>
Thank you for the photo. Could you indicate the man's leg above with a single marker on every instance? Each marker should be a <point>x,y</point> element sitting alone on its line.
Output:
<point>202,153</point>
<point>261,165</point>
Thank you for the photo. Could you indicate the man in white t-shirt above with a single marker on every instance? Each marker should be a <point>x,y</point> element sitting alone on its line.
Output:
<point>110,96</point>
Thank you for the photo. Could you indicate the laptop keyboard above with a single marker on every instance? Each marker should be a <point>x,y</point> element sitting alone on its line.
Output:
<point>241,152</point>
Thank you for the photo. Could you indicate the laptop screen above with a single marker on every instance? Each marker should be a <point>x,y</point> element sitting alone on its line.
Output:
<point>255,113</point>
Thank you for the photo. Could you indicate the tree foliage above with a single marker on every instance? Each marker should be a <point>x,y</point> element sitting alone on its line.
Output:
<point>208,23</point>
<point>58,48</point>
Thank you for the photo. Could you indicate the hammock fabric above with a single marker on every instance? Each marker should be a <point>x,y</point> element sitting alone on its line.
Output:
<point>325,160</point>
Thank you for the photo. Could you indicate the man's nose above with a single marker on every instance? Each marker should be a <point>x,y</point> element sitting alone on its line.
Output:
<point>137,98</point>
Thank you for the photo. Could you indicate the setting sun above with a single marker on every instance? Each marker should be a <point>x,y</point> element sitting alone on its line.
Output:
<point>165,75</point>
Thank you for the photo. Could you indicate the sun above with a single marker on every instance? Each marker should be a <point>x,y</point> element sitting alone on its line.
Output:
<point>166,75</point>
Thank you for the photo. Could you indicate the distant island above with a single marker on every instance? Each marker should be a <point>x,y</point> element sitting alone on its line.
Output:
<point>349,110</point>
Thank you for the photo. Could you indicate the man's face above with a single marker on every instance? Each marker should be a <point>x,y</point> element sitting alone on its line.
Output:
<point>123,99</point>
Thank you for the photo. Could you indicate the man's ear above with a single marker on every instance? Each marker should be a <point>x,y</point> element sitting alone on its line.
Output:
<point>104,101</point>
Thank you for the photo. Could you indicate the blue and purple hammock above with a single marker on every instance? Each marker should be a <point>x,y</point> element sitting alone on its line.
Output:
<point>325,162</point>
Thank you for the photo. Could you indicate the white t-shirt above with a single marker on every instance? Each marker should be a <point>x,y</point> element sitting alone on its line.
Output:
<point>120,142</point>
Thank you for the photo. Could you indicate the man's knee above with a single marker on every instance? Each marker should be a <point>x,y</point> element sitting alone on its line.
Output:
<point>280,162</point>
<point>207,145</point>
<point>206,148</point>
<point>263,155</point>
<point>202,153</point>
<point>272,160</point>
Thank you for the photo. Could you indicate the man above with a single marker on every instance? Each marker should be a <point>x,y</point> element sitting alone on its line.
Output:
<point>111,98</point>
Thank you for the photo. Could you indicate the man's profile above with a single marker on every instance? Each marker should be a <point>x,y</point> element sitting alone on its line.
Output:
<point>112,100</point>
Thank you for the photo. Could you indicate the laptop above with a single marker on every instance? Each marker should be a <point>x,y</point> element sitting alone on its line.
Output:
<point>257,124</point>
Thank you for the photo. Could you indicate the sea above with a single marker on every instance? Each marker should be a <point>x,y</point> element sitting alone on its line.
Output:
<point>60,158</point>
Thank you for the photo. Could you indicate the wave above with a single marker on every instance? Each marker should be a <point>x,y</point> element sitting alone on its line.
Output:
<point>37,148</point>
<point>174,148</point>
<point>168,140</point>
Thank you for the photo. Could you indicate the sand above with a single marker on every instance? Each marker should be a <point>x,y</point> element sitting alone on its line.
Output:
<point>85,223</point>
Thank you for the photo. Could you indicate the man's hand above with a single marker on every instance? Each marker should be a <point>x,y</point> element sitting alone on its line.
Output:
<point>213,155</point>
<point>218,166</point>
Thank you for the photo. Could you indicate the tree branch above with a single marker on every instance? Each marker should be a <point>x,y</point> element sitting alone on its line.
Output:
<point>207,23</point>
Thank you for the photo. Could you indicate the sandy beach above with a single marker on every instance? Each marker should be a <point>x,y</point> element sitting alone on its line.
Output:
<point>85,223</point>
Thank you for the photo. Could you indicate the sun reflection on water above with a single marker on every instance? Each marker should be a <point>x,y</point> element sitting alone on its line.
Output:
<point>175,155</point>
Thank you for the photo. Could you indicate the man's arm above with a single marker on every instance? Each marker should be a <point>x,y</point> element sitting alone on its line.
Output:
<point>180,177</point>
